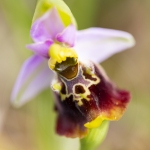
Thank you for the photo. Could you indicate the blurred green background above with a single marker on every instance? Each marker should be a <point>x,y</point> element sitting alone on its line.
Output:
<point>31,126</point>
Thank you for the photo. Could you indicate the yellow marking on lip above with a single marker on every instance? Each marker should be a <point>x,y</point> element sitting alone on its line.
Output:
<point>94,123</point>
<point>81,96</point>
<point>59,53</point>
<point>56,86</point>
<point>114,114</point>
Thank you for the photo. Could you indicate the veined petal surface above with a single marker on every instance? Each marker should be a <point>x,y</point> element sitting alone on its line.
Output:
<point>34,77</point>
<point>97,44</point>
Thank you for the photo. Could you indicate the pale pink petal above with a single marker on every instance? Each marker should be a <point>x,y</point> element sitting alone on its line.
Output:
<point>97,44</point>
<point>47,26</point>
<point>40,48</point>
<point>34,77</point>
<point>67,36</point>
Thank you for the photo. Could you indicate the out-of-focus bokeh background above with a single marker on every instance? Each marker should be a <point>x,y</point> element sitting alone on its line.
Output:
<point>31,126</point>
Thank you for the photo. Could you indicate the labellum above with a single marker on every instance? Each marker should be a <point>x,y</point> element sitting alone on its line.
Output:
<point>84,94</point>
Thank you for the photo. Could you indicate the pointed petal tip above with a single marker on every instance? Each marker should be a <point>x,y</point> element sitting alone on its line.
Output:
<point>65,13</point>
<point>14,103</point>
<point>132,40</point>
<point>128,37</point>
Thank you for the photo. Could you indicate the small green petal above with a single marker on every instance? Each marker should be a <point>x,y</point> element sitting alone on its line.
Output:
<point>63,10</point>
<point>94,137</point>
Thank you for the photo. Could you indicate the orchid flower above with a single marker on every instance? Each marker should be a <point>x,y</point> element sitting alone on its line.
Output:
<point>67,61</point>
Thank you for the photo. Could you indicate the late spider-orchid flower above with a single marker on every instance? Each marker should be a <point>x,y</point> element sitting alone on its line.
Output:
<point>84,94</point>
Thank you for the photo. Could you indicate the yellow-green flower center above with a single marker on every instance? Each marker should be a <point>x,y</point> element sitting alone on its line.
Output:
<point>63,60</point>
<point>59,53</point>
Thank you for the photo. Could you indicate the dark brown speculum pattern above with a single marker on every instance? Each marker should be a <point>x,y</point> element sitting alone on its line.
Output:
<point>85,97</point>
